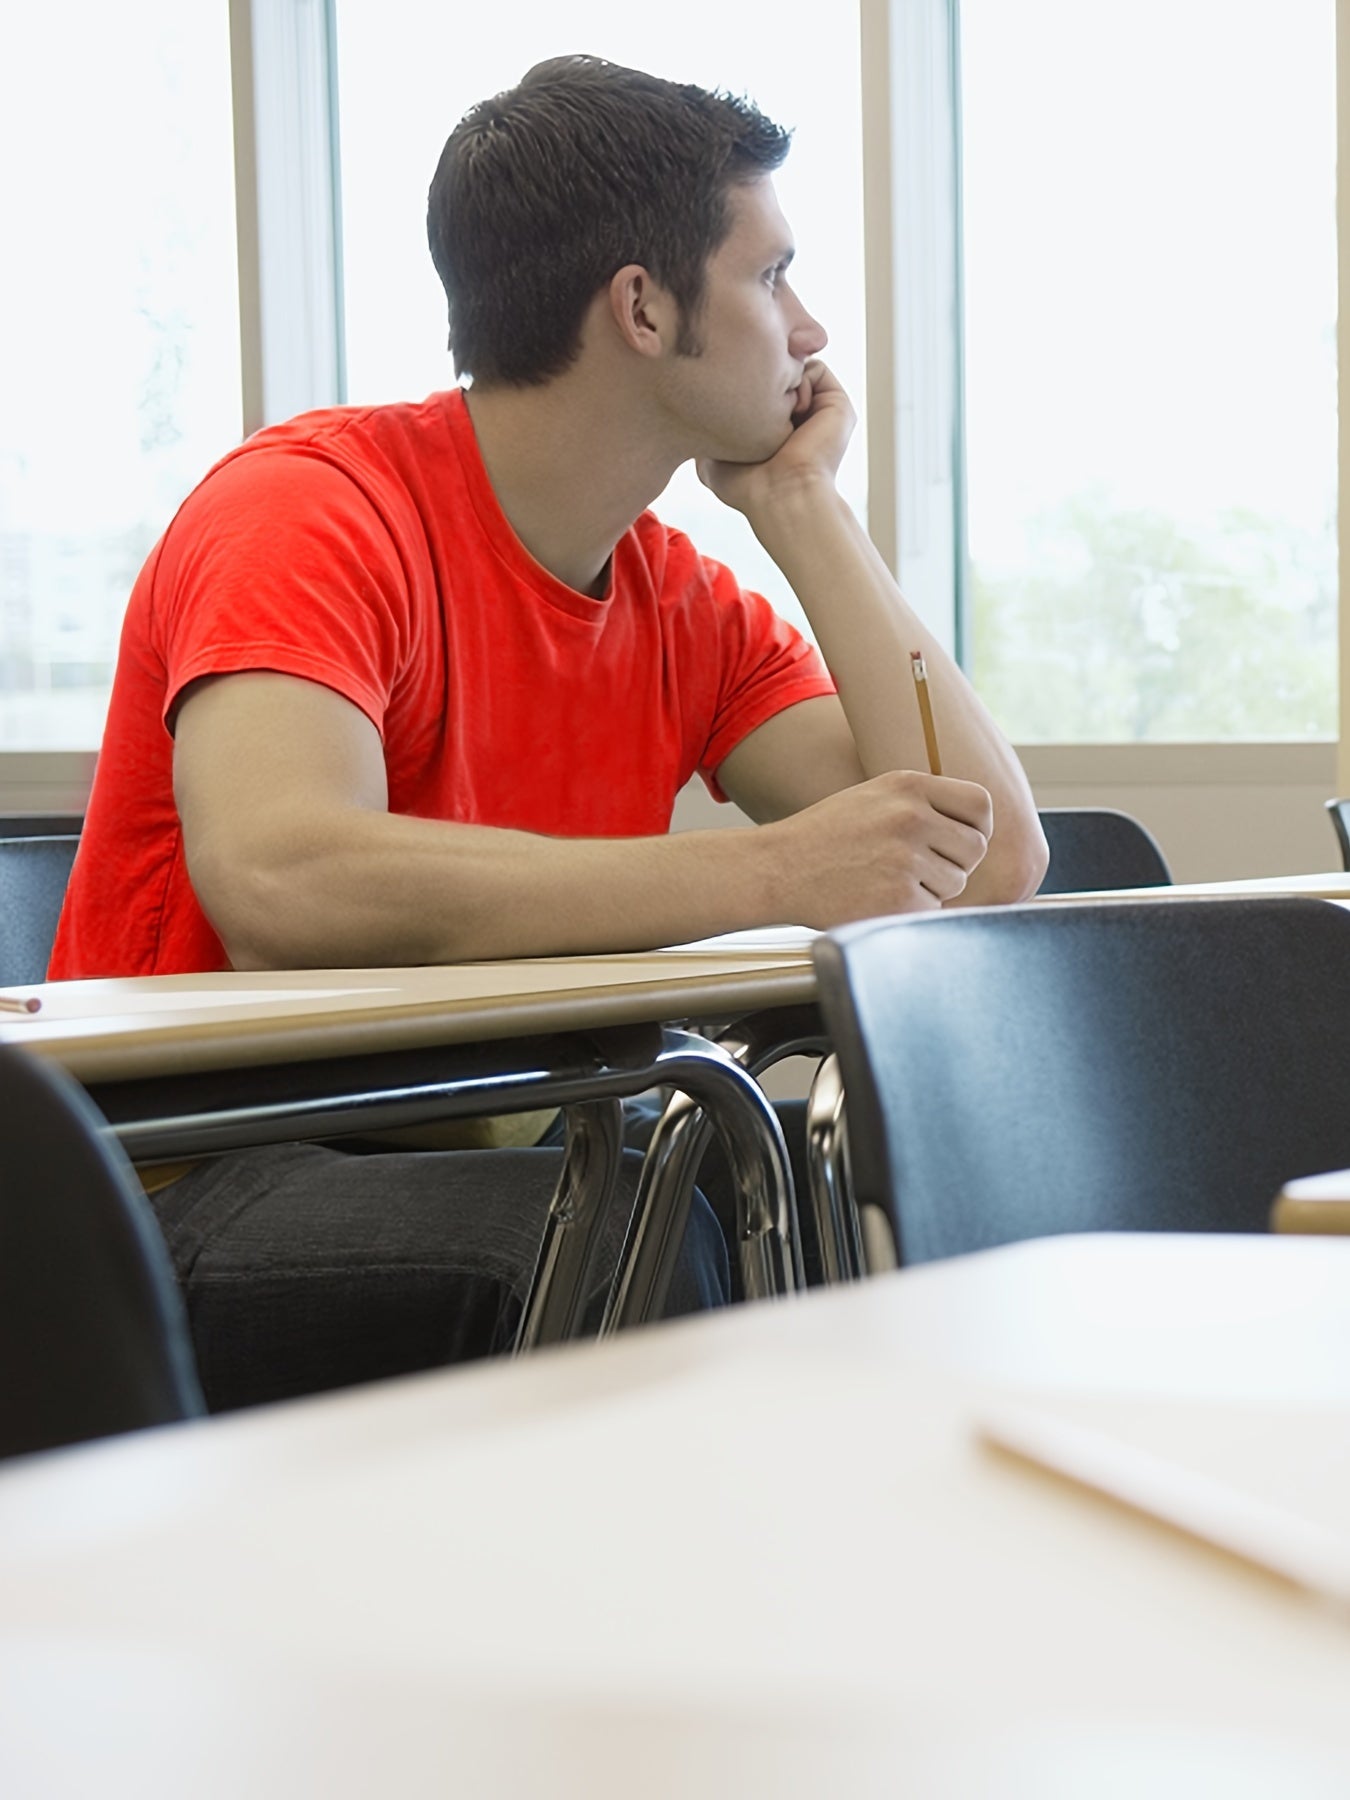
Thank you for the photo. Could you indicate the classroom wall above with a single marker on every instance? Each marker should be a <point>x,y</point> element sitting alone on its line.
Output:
<point>1220,811</point>
<point>1222,833</point>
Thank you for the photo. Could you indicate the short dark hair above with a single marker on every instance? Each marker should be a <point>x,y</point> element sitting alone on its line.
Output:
<point>544,191</point>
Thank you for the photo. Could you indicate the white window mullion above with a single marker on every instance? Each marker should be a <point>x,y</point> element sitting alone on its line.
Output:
<point>913,311</point>
<point>286,182</point>
<point>1343,360</point>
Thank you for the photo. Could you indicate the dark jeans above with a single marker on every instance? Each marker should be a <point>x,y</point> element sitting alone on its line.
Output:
<point>305,1267</point>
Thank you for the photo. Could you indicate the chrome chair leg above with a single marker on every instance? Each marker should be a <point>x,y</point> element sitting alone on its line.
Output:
<point>660,1215</point>
<point>838,1225</point>
<point>576,1215</point>
<point>673,1156</point>
<point>767,1238</point>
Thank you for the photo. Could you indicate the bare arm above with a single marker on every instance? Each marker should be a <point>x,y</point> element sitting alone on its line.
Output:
<point>280,785</point>
<point>866,632</point>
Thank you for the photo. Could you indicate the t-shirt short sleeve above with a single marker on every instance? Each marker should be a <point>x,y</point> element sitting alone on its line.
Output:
<point>280,561</point>
<point>766,663</point>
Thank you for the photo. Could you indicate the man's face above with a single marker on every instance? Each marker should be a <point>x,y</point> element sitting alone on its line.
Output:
<point>736,396</point>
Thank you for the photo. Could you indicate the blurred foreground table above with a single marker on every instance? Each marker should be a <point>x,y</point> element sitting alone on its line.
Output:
<point>763,1554</point>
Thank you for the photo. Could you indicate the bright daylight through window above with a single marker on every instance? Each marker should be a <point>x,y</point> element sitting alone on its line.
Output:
<point>406,74</point>
<point>1150,301</point>
<point>119,346</point>
<point>1150,276</point>
<point>119,334</point>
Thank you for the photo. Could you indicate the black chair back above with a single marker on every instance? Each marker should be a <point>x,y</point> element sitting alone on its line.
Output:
<point>1339,811</point>
<point>1017,1072</point>
<point>93,1337</point>
<point>34,872</point>
<point>1093,847</point>
<point>63,824</point>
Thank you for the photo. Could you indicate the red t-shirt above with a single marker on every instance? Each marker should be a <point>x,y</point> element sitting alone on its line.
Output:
<point>364,548</point>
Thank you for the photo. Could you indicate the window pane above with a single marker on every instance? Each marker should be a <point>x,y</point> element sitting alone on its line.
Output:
<point>1150,271</point>
<point>119,358</point>
<point>407,73</point>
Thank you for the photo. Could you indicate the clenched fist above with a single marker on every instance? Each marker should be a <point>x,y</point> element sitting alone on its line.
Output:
<point>902,842</point>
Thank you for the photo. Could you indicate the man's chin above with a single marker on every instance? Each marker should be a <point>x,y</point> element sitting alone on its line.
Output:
<point>760,450</point>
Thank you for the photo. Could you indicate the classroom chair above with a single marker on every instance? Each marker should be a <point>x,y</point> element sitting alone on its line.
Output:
<point>1023,1071</point>
<point>33,876</point>
<point>1095,847</point>
<point>93,1337</point>
<point>1339,811</point>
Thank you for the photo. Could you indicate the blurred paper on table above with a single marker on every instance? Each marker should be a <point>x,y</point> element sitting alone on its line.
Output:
<point>1270,1485</point>
<point>791,940</point>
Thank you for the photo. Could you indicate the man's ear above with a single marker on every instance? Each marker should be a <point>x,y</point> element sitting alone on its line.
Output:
<point>647,317</point>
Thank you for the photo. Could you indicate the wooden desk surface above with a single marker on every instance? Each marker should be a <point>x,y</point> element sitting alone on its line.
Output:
<point>757,1555</point>
<point>135,1026</point>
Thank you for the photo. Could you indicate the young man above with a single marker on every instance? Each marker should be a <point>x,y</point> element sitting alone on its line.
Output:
<point>418,684</point>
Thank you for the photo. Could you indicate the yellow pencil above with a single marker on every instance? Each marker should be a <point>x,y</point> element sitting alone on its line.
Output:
<point>916,664</point>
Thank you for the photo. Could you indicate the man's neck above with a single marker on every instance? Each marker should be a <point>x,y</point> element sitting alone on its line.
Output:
<point>571,467</point>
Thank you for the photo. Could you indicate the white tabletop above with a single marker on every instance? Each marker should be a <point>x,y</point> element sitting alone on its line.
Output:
<point>756,1555</point>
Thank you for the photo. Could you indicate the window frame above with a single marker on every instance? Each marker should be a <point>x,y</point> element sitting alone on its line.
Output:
<point>288,206</point>
<point>1343,401</point>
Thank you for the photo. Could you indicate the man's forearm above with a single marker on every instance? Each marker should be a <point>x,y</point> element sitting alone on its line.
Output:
<point>866,632</point>
<point>356,888</point>
<point>344,886</point>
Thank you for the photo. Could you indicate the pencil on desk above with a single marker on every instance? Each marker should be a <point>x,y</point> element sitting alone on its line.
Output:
<point>14,1003</point>
<point>916,664</point>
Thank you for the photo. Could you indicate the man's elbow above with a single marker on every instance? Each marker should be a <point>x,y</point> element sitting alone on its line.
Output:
<point>1015,866</point>
<point>1028,872</point>
<point>256,908</point>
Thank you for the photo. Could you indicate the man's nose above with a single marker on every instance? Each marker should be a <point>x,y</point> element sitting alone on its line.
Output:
<point>808,337</point>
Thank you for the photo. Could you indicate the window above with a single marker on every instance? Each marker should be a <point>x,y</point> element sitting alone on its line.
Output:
<point>407,73</point>
<point>119,334</point>
<point>1149,303</point>
<point>1150,307</point>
